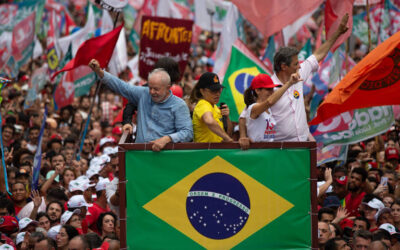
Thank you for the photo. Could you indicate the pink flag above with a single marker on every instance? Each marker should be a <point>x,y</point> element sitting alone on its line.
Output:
<point>23,34</point>
<point>334,11</point>
<point>271,16</point>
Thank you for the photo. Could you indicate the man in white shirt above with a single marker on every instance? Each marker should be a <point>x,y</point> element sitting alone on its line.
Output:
<point>289,111</point>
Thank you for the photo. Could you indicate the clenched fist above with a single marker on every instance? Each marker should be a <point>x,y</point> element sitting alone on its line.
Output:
<point>95,66</point>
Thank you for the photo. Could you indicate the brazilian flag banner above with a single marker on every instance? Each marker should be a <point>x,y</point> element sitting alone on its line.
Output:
<point>218,199</point>
<point>238,76</point>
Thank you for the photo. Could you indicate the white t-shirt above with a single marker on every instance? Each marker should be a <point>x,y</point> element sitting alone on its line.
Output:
<point>110,191</point>
<point>27,209</point>
<point>289,111</point>
<point>261,129</point>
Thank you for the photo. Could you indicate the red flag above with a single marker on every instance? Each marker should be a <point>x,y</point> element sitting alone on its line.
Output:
<point>374,81</point>
<point>64,94</point>
<point>100,48</point>
<point>334,11</point>
<point>23,34</point>
<point>271,16</point>
<point>318,40</point>
<point>119,117</point>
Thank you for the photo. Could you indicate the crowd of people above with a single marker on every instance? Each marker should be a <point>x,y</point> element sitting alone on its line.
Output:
<point>76,204</point>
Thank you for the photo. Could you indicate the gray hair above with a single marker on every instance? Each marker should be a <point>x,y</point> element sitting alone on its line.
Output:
<point>165,78</point>
<point>284,56</point>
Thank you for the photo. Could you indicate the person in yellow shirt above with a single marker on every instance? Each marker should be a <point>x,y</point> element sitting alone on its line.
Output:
<point>208,118</point>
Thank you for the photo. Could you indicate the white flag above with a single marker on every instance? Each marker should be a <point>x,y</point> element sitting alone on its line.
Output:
<point>292,29</point>
<point>228,36</point>
<point>119,58</point>
<point>78,37</point>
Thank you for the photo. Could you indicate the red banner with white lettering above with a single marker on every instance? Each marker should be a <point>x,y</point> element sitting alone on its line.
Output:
<point>161,37</point>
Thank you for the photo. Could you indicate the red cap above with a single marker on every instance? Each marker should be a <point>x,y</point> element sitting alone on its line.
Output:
<point>346,223</point>
<point>342,180</point>
<point>117,131</point>
<point>177,90</point>
<point>8,224</point>
<point>25,78</point>
<point>262,81</point>
<point>391,153</point>
<point>55,136</point>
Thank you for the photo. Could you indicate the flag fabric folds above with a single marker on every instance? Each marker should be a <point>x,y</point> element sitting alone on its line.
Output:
<point>374,81</point>
<point>271,16</point>
<point>334,11</point>
<point>37,162</point>
<point>100,48</point>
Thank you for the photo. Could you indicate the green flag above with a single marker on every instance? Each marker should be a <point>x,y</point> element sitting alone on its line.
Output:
<point>219,199</point>
<point>237,79</point>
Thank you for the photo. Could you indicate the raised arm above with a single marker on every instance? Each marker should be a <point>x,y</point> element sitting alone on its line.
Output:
<point>132,93</point>
<point>259,108</point>
<point>323,50</point>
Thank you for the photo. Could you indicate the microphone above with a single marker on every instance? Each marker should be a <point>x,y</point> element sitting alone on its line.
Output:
<point>224,120</point>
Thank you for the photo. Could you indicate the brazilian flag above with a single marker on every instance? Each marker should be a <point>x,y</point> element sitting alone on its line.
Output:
<point>238,76</point>
<point>218,199</point>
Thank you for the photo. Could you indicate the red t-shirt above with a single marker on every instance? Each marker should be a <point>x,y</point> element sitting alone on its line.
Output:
<point>93,214</point>
<point>352,203</point>
<point>17,209</point>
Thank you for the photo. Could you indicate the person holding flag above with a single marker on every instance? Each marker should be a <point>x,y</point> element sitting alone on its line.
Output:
<point>163,117</point>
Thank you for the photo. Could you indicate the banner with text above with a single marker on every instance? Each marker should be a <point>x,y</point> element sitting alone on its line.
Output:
<point>162,37</point>
<point>362,124</point>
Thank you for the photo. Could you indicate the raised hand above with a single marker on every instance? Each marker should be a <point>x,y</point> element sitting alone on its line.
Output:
<point>328,175</point>
<point>95,66</point>
<point>36,198</point>
<point>343,24</point>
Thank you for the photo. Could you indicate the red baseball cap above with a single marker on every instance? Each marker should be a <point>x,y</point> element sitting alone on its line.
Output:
<point>342,180</point>
<point>262,81</point>
<point>391,153</point>
<point>8,224</point>
<point>116,131</point>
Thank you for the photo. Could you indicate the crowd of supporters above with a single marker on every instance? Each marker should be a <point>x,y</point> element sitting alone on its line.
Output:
<point>76,205</point>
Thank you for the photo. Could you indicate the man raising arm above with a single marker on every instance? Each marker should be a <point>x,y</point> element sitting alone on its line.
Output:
<point>162,117</point>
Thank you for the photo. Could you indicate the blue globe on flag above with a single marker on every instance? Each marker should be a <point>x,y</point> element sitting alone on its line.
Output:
<point>218,206</point>
<point>243,81</point>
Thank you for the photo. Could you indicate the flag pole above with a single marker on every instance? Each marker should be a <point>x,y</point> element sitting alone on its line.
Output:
<point>369,28</point>
<point>82,135</point>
